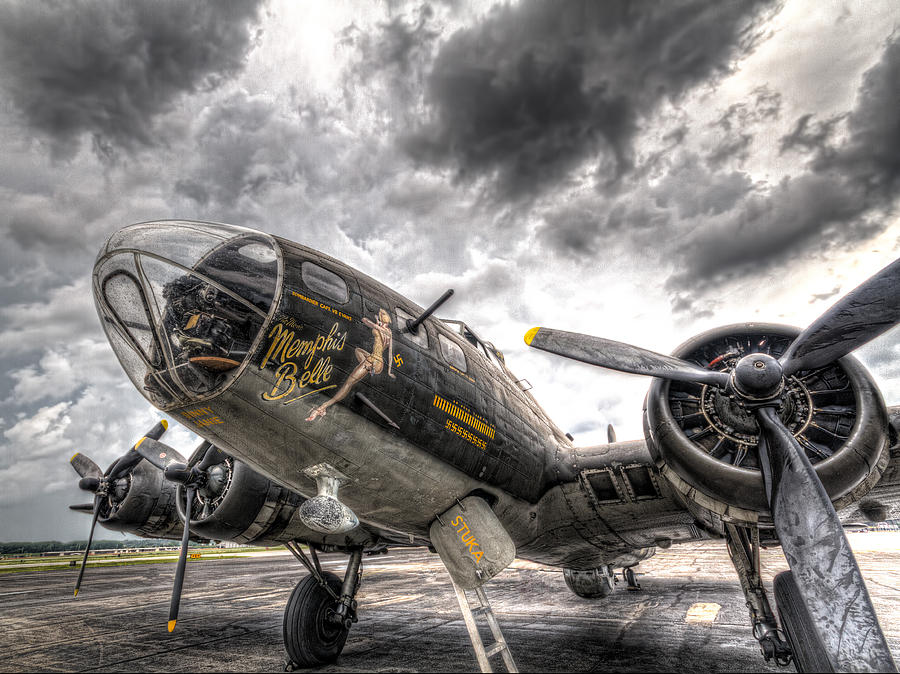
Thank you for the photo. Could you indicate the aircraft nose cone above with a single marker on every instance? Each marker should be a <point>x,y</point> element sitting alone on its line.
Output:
<point>183,304</point>
<point>758,376</point>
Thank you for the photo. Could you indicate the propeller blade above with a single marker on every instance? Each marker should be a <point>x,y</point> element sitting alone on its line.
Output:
<point>84,466</point>
<point>818,553</point>
<point>861,315</point>
<point>178,472</point>
<point>212,456</point>
<point>131,458</point>
<point>91,484</point>
<point>621,357</point>
<point>86,508</point>
<point>182,560</point>
<point>87,548</point>
<point>157,453</point>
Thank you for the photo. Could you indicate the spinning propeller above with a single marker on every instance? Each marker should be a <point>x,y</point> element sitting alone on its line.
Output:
<point>103,485</point>
<point>811,535</point>
<point>192,478</point>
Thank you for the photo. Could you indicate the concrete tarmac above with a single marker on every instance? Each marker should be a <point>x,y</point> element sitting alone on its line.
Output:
<point>688,616</point>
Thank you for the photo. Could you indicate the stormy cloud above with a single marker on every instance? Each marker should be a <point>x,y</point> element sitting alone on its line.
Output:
<point>633,170</point>
<point>843,198</point>
<point>108,69</point>
<point>537,88</point>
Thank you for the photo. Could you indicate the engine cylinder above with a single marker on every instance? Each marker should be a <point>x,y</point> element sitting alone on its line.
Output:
<point>704,440</point>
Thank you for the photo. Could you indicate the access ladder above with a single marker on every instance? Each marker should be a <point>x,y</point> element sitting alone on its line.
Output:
<point>469,614</point>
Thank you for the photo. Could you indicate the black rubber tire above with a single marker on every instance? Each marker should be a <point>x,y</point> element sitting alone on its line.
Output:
<point>809,653</point>
<point>631,579</point>
<point>309,639</point>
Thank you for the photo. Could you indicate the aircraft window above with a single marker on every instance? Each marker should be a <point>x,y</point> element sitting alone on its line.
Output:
<point>326,283</point>
<point>495,352</point>
<point>491,357</point>
<point>258,252</point>
<point>122,290</point>
<point>420,337</point>
<point>452,353</point>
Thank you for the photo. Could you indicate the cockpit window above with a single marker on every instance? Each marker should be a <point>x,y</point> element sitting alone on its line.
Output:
<point>183,320</point>
<point>123,290</point>
<point>453,354</point>
<point>492,359</point>
<point>419,337</point>
<point>324,282</point>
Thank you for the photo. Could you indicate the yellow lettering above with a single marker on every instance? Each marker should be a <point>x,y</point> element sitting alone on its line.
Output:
<point>282,338</point>
<point>284,373</point>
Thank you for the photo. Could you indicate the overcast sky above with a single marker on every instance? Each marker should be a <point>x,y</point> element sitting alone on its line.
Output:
<point>639,171</point>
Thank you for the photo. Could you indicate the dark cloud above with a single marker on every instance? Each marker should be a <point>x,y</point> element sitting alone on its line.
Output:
<point>399,44</point>
<point>683,303</point>
<point>735,123</point>
<point>871,155</point>
<point>843,199</point>
<point>733,146</point>
<point>771,227</point>
<point>766,106</point>
<point>686,190</point>
<point>245,146</point>
<point>810,135</point>
<point>108,69</point>
<point>389,63</point>
<point>537,88</point>
<point>821,297</point>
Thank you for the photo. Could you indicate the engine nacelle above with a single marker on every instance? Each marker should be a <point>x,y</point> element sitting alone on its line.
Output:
<point>238,504</point>
<point>704,441</point>
<point>142,503</point>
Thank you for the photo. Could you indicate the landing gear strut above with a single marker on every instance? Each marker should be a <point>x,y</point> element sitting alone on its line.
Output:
<point>743,547</point>
<point>320,612</point>
<point>631,580</point>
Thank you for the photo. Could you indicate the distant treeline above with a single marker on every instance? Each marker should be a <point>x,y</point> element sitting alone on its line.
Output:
<point>28,547</point>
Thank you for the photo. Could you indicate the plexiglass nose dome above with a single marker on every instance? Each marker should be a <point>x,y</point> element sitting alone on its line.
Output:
<point>183,304</point>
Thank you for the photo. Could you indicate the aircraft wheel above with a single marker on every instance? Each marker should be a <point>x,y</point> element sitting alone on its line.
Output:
<point>809,654</point>
<point>310,639</point>
<point>591,584</point>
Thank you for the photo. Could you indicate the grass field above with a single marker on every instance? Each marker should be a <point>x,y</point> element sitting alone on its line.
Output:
<point>36,563</point>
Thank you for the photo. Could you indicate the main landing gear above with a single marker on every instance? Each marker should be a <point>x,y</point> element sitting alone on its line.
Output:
<point>320,612</point>
<point>743,547</point>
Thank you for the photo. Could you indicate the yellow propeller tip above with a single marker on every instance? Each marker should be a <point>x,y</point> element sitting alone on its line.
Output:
<point>138,443</point>
<point>172,625</point>
<point>165,424</point>
<point>76,593</point>
<point>73,456</point>
<point>530,335</point>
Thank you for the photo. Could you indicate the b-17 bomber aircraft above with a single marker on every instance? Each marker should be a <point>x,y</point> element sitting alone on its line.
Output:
<point>337,414</point>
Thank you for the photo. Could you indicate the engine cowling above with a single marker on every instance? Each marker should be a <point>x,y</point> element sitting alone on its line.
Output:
<point>142,503</point>
<point>238,504</point>
<point>704,440</point>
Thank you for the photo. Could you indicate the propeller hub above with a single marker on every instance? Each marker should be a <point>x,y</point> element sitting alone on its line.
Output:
<point>216,479</point>
<point>758,377</point>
